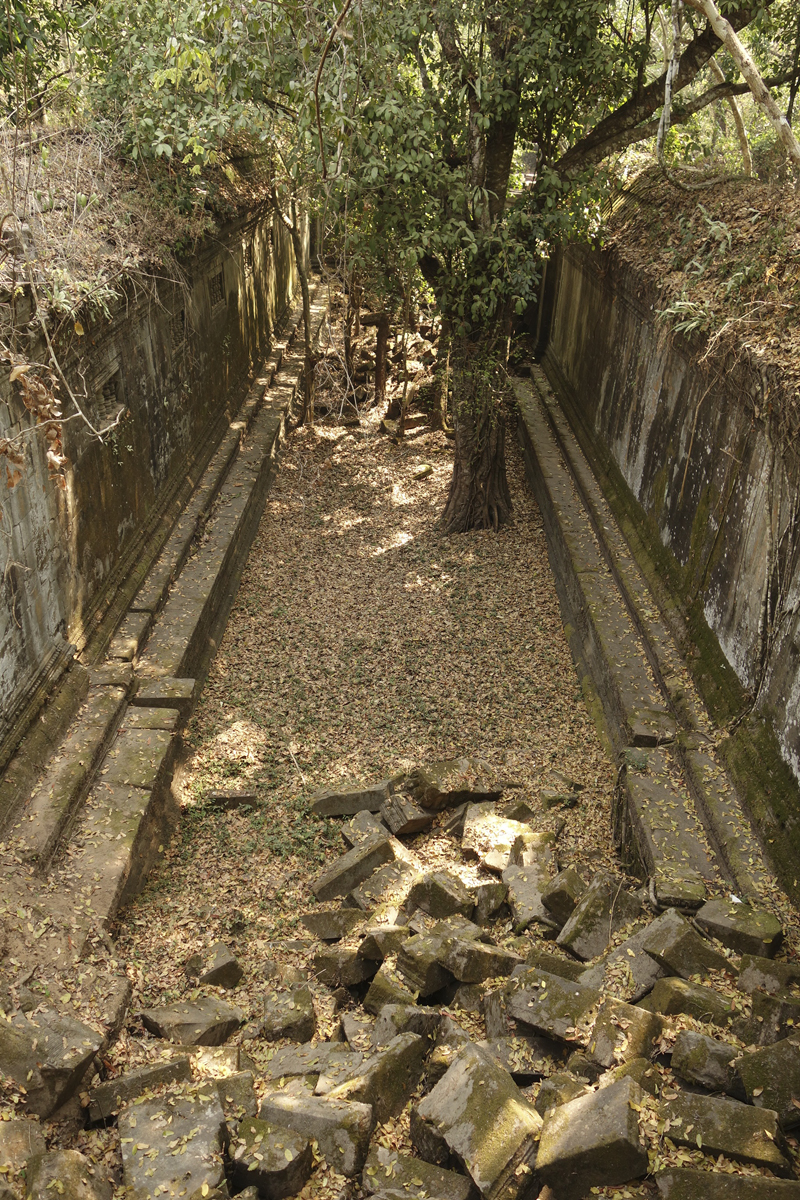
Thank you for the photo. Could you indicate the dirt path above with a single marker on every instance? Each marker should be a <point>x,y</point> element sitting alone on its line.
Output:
<point>362,639</point>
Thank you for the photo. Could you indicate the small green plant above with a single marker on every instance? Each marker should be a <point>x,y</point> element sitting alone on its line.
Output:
<point>690,316</point>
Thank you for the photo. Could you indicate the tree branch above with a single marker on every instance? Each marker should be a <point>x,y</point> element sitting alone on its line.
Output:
<point>614,131</point>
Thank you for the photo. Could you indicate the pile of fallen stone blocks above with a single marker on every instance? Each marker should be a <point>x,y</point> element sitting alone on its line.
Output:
<point>551,1033</point>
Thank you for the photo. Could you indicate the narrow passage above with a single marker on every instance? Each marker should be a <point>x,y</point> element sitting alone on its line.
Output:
<point>362,641</point>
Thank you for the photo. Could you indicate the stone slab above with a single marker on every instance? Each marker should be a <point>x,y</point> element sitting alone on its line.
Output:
<point>553,1006</point>
<point>173,1143</point>
<point>770,1079</point>
<point>66,1173</point>
<point>622,1032</point>
<point>351,869</point>
<point>108,1098</point>
<point>204,1022</point>
<point>341,1128</point>
<point>679,949</point>
<point>275,1160</point>
<point>592,1141</point>
<point>604,908</point>
<point>486,1122</point>
<point>721,1126</point>
<point>745,929</point>
<point>689,1184</point>
<point>351,798</point>
<point>440,894</point>
<point>47,1054</point>
<point>399,1175</point>
<point>627,970</point>
<point>706,1061</point>
<point>386,1080</point>
<point>333,925</point>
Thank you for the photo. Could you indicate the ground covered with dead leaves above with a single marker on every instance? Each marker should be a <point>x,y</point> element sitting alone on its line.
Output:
<point>362,641</point>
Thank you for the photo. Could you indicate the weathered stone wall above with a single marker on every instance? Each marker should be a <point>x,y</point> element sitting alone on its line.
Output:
<point>692,446</point>
<point>176,356</point>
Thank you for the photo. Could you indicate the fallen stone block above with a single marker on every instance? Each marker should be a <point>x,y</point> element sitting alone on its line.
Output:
<point>173,1143</point>
<point>311,1059</point>
<point>705,1061</point>
<point>688,1184</point>
<point>525,887</point>
<point>65,1173</point>
<point>773,1017</point>
<point>387,988</point>
<point>450,1041</point>
<point>341,1128</point>
<point>553,1006</point>
<point>721,1126</point>
<point>562,894</point>
<point>489,898</point>
<point>356,1031</point>
<point>347,872</point>
<point>419,964</point>
<point>396,1175</point>
<point>362,827</point>
<point>604,908</point>
<point>351,798</point>
<point>525,1058</point>
<point>745,929</point>
<point>449,783</point>
<point>557,964</point>
<point>627,970</point>
<point>679,949</point>
<point>640,1070</point>
<point>19,1141</point>
<point>592,1141</point>
<point>404,817</point>
<point>454,824</point>
<point>486,1122</point>
<point>387,887</point>
<point>204,1022</point>
<point>765,975</point>
<point>394,1019</point>
<point>429,1144</point>
<point>237,1095</point>
<point>337,1071</point>
<point>380,941</point>
<point>583,1067</point>
<point>272,1158</point>
<point>335,925</point>
<point>492,837</point>
<point>288,1015</point>
<point>770,1078</point>
<point>48,1055</point>
<point>387,1078</point>
<point>342,966</point>
<point>218,967</point>
<point>622,1032</point>
<point>108,1098</point>
<point>440,894</point>
<point>468,997</point>
<point>557,1089</point>
<point>474,962</point>
<point>672,995</point>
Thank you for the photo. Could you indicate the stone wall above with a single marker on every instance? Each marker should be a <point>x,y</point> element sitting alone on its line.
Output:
<point>176,356</point>
<point>690,442</point>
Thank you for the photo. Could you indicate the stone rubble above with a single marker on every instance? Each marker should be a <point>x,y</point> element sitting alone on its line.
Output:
<point>542,1033</point>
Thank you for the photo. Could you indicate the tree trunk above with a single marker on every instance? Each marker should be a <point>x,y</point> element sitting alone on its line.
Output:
<point>741,132</point>
<point>383,321</point>
<point>479,497</point>
<point>310,359</point>
<point>439,414</point>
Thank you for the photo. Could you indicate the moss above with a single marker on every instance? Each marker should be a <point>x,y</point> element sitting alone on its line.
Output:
<point>769,790</point>
<point>752,754</point>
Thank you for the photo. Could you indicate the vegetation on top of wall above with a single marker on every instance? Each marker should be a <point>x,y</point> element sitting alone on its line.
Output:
<point>727,263</point>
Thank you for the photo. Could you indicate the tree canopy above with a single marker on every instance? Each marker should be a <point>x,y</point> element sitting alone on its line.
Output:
<point>450,143</point>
